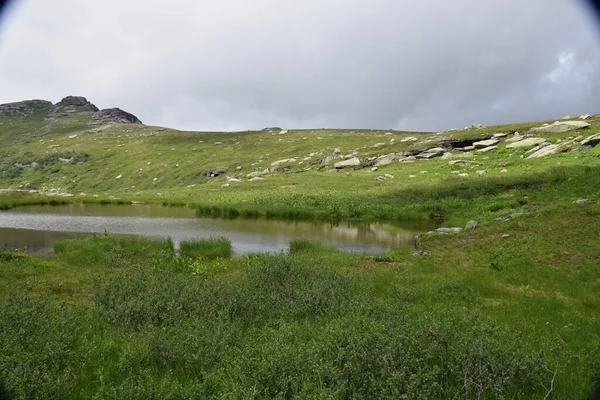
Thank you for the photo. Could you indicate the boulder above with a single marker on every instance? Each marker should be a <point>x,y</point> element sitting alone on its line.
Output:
<point>352,162</point>
<point>431,153</point>
<point>485,143</point>
<point>388,159</point>
<point>254,174</point>
<point>409,139</point>
<point>256,178</point>
<point>527,142</point>
<point>500,135</point>
<point>581,201</point>
<point>585,116</point>
<point>486,149</point>
<point>560,126</point>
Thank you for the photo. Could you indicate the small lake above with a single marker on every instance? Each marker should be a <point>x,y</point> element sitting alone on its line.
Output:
<point>37,228</point>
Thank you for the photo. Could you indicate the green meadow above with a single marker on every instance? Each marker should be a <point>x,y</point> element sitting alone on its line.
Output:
<point>508,309</point>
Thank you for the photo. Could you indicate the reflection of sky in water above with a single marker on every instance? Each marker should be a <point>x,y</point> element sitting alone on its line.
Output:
<point>38,227</point>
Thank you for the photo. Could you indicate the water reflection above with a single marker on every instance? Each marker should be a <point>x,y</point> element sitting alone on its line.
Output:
<point>38,227</point>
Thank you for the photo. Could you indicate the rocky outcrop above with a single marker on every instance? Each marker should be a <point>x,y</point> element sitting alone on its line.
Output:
<point>24,108</point>
<point>213,173</point>
<point>114,115</point>
<point>70,105</point>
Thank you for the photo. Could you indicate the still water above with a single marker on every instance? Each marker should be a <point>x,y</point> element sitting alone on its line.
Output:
<point>37,228</point>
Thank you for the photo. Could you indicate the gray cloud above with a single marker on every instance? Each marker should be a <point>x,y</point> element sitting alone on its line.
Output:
<point>241,64</point>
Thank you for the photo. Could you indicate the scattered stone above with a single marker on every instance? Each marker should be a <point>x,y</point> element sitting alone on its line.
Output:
<point>486,149</point>
<point>409,139</point>
<point>378,144</point>
<point>504,171</point>
<point>449,230</point>
<point>233,180</point>
<point>464,175</point>
<point>423,172</point>
<point>581,201</point>
<point>528,142</point>
<point>65,160</point>
<point>481,172</point>
<point>472,225</point>
<point>500,135</point>
<point>225,185</point>
<point>467,148</point>
<point>337,151</point>
<point>238,168</point>
<point>137,203</point>
<point>389,176</point>
<point>283,132</point>
<point>119,176</point>
<point>506,235</point>
<point>256,178</point>
<point>515,138</point>
<point>477,126</point>
<point>374,169</point>
<point>380,178</point>
<point>566,117</point>
<point>420,253</point>
<point>485,143</point>
<point>585,116</point>
<point>457,162</point>
<point>563,126</point>
<point>353,162</point>
<point>72,136</point>
<point>284,161</point>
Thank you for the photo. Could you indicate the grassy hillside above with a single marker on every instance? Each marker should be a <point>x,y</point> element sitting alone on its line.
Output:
<point>506,309</point>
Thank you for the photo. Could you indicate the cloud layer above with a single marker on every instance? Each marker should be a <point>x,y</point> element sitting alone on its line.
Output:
<point>240,64</point>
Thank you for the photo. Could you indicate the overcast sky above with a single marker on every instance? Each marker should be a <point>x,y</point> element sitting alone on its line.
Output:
<point>248,64</point>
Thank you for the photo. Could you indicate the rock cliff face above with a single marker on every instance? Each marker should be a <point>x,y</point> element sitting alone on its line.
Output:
<point>114,115</point>
<point>69,105</point>
<point>24,108</point>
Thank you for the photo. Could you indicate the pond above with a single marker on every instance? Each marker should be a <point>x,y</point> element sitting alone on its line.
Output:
<point>37,228</point>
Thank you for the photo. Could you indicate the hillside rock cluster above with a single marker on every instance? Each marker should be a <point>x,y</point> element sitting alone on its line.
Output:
<point>68,106</point>
<point>24,108</point>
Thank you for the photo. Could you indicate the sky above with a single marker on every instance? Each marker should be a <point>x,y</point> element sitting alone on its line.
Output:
<point>228,65</point>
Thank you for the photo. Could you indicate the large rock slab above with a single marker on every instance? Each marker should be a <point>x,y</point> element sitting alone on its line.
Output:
<point>485,143</point>
<point>431,153</point>
<point>591,140</point>
<point>546,150</point>
<point>352,162</point>
<point>560,126</point>
<point>527,142</point>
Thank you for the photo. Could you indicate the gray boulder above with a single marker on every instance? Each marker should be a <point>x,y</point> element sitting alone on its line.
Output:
<point>352,162</point>
<point>449,230</point>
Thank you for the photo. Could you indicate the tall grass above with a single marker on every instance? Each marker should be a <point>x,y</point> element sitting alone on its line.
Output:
<point>208,249</point>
